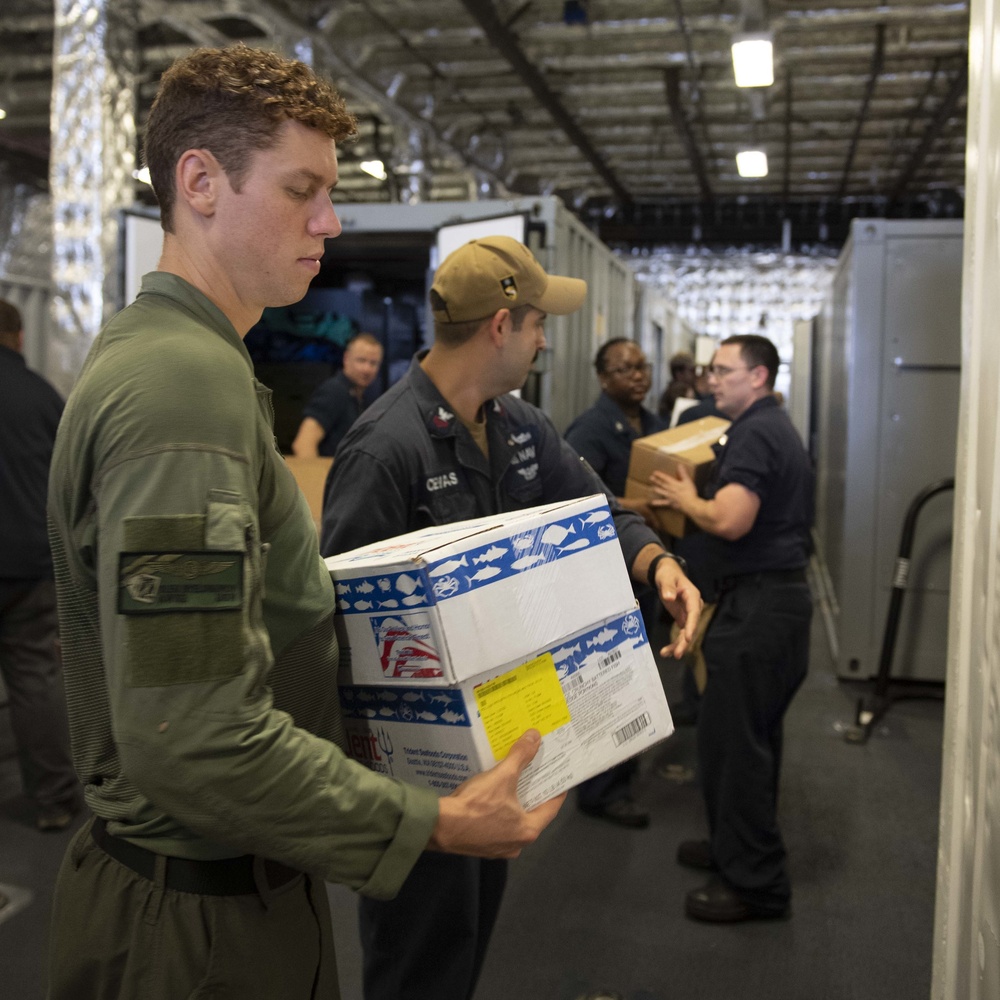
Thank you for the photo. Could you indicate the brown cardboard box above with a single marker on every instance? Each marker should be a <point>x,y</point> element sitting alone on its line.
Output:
<point>689,445</point>
<point>310,474</point>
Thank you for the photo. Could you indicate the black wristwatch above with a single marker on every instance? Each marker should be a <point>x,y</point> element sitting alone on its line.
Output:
<point>651,572</point>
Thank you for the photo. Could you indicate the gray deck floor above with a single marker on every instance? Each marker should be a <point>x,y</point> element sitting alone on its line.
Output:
<point>593,906</point>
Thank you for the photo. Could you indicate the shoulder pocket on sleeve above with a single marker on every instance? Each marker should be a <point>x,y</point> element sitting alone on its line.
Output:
<point>184,590</point>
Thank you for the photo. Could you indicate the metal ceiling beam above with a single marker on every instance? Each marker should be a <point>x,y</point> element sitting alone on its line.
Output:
<point>947,107</point>
<point>502,39</point>
<point>357,82</point>
<point>684,132</point>
<point>787,181</point>
<point>878,57</point>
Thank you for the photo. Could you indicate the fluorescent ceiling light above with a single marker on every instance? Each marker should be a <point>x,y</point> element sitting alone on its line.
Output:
<point>142,175</point>
<point>753,60</point>
<point>752,163</point>
<point>374,167</point>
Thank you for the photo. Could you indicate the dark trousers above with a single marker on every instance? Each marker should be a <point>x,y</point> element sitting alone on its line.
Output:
<point>757,653</point>
<point>608,786</point>
<point>32,673</point>
<point>430,941</point>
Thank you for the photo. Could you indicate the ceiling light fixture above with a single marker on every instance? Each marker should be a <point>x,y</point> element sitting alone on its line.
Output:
<point>3,114</point>
<point>374,167</point>
<point>752,163</point>
<point>753,60</point>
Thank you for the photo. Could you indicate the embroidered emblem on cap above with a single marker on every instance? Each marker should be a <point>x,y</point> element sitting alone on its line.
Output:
<point>509,286</point>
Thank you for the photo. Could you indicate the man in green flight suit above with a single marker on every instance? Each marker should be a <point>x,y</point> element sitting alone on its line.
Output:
<point>196,613</point>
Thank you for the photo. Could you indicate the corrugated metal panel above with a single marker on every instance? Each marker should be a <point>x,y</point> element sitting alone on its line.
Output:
<point>93,155</point>
<point>967,924</point>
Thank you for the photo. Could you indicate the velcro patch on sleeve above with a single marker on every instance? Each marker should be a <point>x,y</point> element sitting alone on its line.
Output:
<point>158,582</point>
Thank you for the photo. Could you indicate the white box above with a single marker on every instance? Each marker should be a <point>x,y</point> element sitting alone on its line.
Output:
<point>596,697</point>
<point>443,604</point>
<point>460,637</point>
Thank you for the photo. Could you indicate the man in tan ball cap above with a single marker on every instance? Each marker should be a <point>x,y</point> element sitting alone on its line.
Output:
<point>447,443</point>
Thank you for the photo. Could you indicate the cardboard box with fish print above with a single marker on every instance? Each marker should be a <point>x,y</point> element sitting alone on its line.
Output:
<point>595,696</point>
<point>438,606</point>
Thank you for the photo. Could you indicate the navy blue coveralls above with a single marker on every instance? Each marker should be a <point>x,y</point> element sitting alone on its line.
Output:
<point>407,463</point>
<point>756,650</point>
<point>603,436</point>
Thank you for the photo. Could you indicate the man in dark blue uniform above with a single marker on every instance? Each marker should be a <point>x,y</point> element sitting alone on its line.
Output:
<point>756,514</point>
<point>29,640</point>
<point>603,435</point>
<point>445,444</point>
<point>340,399</point>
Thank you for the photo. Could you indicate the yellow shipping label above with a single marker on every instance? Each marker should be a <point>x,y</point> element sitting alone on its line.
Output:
<point>527,697</point>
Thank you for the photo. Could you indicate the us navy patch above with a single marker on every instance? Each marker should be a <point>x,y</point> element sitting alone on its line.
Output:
<point>156,582</point>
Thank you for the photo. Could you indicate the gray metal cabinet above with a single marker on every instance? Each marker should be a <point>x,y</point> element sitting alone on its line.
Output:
<point>888,365</point>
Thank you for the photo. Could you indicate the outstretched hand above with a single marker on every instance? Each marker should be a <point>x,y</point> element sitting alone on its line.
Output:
<point>683,600</point>
<point>484,817</point>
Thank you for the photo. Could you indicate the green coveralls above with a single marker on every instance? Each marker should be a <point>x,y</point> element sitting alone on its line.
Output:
<point>200,663</point>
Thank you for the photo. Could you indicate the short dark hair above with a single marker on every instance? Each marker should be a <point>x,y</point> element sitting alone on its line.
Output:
<point>363,337</point>
<point>602,352</point>
<point>682,361</point>
<point>456,334</point>
<point>11,323</point>
<point>757,350</point>
<point>233,102</point>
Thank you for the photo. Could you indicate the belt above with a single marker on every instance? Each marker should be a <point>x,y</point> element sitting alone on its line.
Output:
<point>226,877</point>
<point>725,583</point>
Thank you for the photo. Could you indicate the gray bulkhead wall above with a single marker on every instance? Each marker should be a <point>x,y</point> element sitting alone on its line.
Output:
<point>967,918</point>
<point>570,385</point>
<point>890,361</point>
<point>26,265</point>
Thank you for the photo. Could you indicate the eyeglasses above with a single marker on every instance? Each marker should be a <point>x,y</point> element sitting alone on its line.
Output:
<point>721,371</point>
<point>643,369</point>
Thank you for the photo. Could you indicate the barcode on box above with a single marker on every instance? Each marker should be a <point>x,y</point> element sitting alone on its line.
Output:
<point>633,729</point>
<point>610,658</point>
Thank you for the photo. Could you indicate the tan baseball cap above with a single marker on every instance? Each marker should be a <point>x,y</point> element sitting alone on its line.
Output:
<point>498,272</point>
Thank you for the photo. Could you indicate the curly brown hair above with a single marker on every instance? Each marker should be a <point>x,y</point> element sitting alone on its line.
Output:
<point>233,102</point>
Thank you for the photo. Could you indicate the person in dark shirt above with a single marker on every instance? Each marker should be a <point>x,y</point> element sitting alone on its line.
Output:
<point>703,408</point>
<point>340,400</point>
<point>603,435</point>
<point>756,514</point>
<point>683,373</point>
<point>448,443</point>
<point>29,643</point>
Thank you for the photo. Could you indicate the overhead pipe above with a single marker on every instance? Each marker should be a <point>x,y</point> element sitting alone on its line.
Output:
<point>683,126</point>
<point>501,38</point>
<point>947,107</point>
<point>877,60</point>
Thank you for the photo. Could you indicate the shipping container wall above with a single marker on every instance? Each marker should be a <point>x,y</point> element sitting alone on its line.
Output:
<point>890,363</point>
<point>570,383</point>
<point>967,924</point>
<point>661,333</point>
